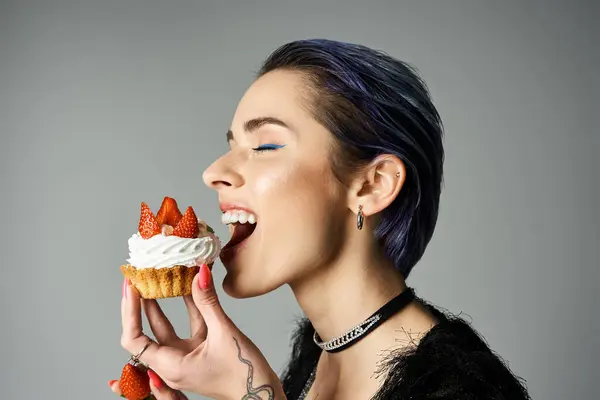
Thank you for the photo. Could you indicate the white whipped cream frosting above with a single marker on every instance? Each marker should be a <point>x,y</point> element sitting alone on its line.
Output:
<point>162,251</point>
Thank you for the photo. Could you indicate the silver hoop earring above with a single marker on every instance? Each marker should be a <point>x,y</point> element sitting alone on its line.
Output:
<point>360,218</point>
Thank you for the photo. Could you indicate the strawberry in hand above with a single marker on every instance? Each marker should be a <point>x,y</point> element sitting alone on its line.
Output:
<point>134,383</point>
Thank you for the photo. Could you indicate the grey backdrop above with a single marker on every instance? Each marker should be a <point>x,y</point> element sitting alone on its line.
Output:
<point>105,104</point>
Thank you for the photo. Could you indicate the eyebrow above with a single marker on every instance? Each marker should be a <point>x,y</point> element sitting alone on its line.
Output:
<point>255,123</point>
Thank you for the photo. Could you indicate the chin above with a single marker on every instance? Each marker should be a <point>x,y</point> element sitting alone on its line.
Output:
<point>234,287</point>
<point>239,286</point>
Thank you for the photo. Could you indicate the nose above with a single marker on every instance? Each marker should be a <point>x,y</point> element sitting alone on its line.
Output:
<point>221,174</point>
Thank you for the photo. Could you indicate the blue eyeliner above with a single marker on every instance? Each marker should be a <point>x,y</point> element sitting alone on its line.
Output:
<point>266,147</point>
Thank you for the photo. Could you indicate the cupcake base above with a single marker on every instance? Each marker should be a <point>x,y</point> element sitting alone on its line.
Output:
<point>161,283</point>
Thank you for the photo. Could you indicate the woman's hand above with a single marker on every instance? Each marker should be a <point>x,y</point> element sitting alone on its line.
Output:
<point>217,361</point>
<point>160,391</point>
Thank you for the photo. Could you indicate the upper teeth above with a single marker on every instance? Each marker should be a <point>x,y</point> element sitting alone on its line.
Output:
<point>238,216</point>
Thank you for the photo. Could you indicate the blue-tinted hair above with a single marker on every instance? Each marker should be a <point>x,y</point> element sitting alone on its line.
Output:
<point>374,104</point>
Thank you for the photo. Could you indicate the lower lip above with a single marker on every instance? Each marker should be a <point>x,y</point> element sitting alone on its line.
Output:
<point>228,253</point>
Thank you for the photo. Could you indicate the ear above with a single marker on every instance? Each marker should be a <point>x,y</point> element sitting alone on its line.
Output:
<point>377,185</point>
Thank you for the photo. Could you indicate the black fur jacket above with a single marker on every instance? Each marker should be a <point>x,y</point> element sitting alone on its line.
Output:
<point>450,362</point>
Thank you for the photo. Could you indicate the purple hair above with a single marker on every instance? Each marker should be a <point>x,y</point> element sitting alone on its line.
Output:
<point>374,104</point>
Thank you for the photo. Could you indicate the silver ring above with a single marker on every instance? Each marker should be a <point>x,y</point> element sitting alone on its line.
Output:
<point>136,358</point>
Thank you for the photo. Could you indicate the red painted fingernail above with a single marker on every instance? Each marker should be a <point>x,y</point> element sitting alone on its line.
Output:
<point>125,287</point>
<point>111,382</point>
<point>205,277</point>
<point>156,381</point>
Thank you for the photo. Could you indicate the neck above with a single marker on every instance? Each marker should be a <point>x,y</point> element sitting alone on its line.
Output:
<point>340,295</point>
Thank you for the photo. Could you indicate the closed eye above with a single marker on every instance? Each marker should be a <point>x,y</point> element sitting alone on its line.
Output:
<point>268,147</point>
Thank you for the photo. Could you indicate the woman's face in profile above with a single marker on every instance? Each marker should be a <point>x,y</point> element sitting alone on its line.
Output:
<point>278,172</point>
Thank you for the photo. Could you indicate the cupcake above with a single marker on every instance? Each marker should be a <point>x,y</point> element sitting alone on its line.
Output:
<point>167,251</point>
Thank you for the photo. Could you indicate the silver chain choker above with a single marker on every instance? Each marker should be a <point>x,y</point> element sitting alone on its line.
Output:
<point>356,333</point>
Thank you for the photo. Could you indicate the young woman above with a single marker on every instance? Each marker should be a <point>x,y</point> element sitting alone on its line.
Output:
<point>333,176</point>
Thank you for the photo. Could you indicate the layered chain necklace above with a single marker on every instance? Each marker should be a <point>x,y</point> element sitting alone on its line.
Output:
<point>358,332</point>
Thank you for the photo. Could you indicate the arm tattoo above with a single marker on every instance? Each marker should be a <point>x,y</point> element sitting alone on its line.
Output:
<point>253,393</point>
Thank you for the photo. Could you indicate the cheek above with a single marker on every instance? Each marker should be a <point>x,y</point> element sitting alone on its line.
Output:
<point>271,182</point>
<point>301,211</point>
<point>295,191</point>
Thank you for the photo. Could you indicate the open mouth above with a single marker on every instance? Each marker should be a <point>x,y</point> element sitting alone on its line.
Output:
<point>243,224</point>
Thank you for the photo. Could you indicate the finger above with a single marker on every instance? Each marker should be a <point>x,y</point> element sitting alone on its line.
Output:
<point>160,390</point>
<point>159,323</point>
<point>132,320</point>
<point>196,321</point>
<point>123,297</point>
<point>114,386</point>
<point>163,359</point>
<point>133,339</point>
<point>206,300</point>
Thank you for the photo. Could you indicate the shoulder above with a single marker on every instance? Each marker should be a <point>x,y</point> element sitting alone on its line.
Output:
<point>452,361</point>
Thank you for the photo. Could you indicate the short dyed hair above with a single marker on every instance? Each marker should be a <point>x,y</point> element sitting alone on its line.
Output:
<point>375,104</point>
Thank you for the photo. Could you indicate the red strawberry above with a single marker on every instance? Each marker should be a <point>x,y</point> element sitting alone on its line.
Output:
<point>148,226</point>
<point>168,213</point>
<point>134,383</point>
<point>188,226</point>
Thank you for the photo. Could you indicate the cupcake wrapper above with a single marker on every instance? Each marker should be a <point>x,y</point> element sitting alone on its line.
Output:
<point>160,283</point>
